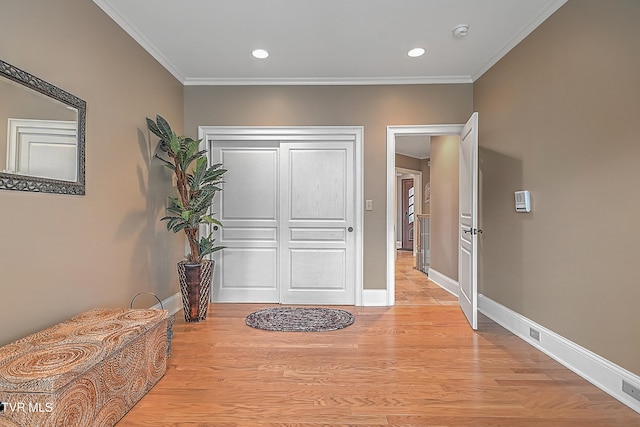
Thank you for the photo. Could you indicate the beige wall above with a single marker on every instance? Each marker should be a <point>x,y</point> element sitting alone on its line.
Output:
<point>558,116</point>
<point>374,107</point>
<point>444,204</point>
<point>426,177</point>
<point>408,162</point>
<point>59,254</point>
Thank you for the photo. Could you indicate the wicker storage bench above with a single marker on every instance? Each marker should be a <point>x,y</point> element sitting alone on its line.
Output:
<point>87,371</point>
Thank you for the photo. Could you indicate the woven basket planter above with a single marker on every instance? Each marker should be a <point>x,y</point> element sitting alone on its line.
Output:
<point>195,287</point>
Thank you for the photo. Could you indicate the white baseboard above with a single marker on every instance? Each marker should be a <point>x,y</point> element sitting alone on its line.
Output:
<point>173,304</point>
<point>599,371</point>
<point>445,282</point>
<point>374,298</point>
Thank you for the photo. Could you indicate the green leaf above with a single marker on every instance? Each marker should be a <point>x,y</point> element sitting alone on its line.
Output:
<point>166,163</point>
<point>174,143</point>
<point>191,146</point>
<point>153,128</point>
<point>196,178</point>
<point>179,227</point>
<point>211,220</point>
<point>164,127</point>
<point>174,201</point>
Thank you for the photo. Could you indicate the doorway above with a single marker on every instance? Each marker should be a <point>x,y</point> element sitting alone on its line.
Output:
<point>408,213</point>
<point>401,207</point>
<point>392,133</point>
<point>466,285</point>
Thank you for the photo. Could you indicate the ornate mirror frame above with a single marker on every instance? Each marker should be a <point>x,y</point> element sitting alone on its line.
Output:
<point>10,181</point>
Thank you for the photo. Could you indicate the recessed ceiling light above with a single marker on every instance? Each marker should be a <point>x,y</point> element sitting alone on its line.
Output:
<point>260,53</point>
<point>415,52</point>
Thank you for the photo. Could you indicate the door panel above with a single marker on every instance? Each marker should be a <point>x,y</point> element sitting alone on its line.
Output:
<point>249,233</point>
<point>319,234</point>
<point>247,273</point>
<point>250,183</point>
<point>318,269</point>
<point>247,269</point>
<point>468,234</point>
<point>317,178</point>
<point>317,248</point>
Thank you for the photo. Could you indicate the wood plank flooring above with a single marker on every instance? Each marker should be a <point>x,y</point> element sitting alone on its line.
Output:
<point>415,364</point>
<point>413,287</point>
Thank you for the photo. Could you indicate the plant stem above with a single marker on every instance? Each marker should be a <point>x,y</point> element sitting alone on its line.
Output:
<point>183,191</point>
<point>192,237</point>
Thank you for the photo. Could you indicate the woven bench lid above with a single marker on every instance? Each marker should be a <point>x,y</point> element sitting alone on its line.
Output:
<point>50,359</point>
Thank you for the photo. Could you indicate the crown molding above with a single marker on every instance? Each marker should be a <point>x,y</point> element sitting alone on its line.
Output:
<point>140,39</point>
<point>325,81</point>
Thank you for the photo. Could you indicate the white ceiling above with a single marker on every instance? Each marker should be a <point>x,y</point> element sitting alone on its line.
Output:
<point>327,41</point>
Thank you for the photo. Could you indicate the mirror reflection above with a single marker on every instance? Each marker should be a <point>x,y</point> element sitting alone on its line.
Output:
<point>41,135</point>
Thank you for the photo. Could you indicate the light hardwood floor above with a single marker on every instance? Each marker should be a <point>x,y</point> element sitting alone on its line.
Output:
<point>413,287</point>
<point>415,364</point>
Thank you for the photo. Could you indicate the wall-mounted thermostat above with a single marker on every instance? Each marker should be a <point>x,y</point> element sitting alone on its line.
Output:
<point>523,201</point>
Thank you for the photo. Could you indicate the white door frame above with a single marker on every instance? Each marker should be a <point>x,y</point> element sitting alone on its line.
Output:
<point>392,132</point>
<point>417,183</point>
<point>302,134</point>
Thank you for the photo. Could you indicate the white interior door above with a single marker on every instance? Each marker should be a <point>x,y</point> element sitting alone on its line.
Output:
<point>468,208</point>
<point>317,230</point>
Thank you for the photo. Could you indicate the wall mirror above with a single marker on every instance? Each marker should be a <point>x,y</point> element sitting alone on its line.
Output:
<point>42,135</point>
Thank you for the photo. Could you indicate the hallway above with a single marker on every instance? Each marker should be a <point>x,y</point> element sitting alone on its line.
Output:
<point>413,287</point>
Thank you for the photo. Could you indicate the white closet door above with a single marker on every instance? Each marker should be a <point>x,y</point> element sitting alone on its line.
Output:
<point>247,269</point>
<point>317,239</point>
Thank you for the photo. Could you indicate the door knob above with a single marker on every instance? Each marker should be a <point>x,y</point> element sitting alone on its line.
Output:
<point>215,228</point>
<point>350,229</point>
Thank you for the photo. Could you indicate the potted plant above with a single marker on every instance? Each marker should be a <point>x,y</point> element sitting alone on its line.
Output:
<point>196,184</point>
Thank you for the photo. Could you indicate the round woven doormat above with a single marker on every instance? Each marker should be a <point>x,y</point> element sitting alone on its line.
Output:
<point>294,319</point>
